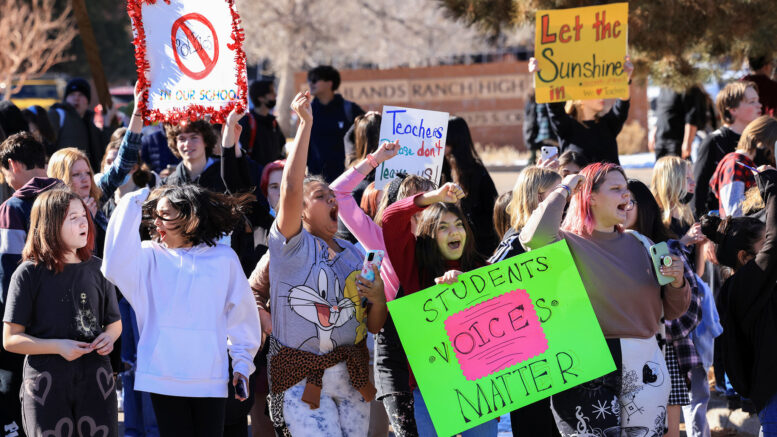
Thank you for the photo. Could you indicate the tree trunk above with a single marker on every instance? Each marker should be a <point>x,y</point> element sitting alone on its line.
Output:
<point>92,54</point>
<point>286,93</point>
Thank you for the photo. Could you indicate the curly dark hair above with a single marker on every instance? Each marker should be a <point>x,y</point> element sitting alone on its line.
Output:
<point>201,127</point>
<point>206,215</point>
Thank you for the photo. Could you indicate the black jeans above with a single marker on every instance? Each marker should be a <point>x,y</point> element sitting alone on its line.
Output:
<point>189,417</point>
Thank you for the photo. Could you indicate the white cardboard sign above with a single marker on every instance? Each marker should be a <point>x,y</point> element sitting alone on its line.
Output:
<point>421,136</point>
<point>189,54</point>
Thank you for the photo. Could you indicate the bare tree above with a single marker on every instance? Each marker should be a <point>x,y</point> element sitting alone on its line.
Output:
<point>297,34</point>
<point>33,38</point>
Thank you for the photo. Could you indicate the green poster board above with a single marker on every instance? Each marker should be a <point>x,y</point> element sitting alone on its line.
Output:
<point>503,336</point>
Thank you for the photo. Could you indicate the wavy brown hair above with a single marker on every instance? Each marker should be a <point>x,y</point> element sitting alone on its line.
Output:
<point>201,127</point>
<point>205,215</point>
<point>431,263</point>
<point>44,242</point>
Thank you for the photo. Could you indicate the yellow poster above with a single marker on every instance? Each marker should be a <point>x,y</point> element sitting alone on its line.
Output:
<point>581,52</point>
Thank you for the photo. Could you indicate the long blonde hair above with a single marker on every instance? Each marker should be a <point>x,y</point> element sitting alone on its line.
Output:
<point>62,162</point>
<point>526,195</point>
<point>669,185</point>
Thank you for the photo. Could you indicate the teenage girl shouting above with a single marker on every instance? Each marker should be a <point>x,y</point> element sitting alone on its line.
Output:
<point>190,296</point>
<point>441,248</point>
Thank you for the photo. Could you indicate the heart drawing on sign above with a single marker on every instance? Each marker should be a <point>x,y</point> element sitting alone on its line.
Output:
<point>94,430</point>
<point>105,382</point>
<point>33,387</point>
<point>58,430</point>
<point>598,91</point>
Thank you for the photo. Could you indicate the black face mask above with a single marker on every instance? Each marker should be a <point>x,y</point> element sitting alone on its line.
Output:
<point>270,104</point>
<point>687,198</point>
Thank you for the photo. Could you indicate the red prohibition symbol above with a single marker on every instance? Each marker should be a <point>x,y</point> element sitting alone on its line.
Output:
<point>196,45</point>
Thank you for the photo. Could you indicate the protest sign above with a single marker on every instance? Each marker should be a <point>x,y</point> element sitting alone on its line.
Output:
<point>502,337</point>
<point>581,53</point>
<point>421,136</point>
<point>190,56</point>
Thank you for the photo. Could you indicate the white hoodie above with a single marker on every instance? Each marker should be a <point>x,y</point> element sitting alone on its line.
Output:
<point>188,302</point>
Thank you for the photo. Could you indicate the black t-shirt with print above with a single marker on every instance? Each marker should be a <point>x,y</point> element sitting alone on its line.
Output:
<point>75,304</point>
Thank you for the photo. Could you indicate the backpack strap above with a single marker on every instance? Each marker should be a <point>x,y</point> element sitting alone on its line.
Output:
<point>61,114</point>
<point>348,107</point>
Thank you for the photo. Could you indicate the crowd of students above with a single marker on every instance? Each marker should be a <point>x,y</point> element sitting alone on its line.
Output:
<point>232,280</point>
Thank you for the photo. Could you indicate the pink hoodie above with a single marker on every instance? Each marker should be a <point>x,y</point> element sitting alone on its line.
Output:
<point>362,227</point>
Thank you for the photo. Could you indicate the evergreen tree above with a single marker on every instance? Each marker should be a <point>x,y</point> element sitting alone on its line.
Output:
<point>678,41</point>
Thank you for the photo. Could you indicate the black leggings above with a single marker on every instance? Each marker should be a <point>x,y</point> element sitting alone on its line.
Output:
<point>401,414</point>
<point>189,417</point>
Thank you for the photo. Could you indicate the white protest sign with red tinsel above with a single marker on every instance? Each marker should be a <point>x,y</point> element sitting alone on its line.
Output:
<point>189,54</point>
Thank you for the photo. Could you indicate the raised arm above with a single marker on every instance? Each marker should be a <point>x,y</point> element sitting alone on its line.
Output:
<point>397,235</point>
<point>617,115</point>
<point>544,224</point>
<point>128,154</point>
<point>290,204</point>
<point>235,171</point>
<point>358,222</point>
<point>560,121</point>
<point>124,259</point>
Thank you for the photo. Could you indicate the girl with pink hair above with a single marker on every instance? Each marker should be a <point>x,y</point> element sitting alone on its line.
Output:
<point>617,273</point>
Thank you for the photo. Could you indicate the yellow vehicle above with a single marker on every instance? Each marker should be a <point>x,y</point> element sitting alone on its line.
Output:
<point>42,92</point>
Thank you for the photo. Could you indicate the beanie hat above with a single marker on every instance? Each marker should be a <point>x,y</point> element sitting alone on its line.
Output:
<point>79,84</point>
<point>392,191</point>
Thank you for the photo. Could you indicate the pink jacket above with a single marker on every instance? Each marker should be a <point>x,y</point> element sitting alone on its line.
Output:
<point>362,227</point>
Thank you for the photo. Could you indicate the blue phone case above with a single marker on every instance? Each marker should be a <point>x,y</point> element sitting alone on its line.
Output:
<point>373,257</point>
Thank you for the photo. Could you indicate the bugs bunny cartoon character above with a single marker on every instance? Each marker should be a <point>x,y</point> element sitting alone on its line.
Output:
<point>326,308</point>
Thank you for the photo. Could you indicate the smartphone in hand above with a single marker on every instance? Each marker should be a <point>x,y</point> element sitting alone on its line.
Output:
<point>660,254</point>
<point>373,258</point>
<point>548,152</point>
<point>240,389</point>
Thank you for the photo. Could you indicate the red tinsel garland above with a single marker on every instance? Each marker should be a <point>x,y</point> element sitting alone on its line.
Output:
<point>189,112</point>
